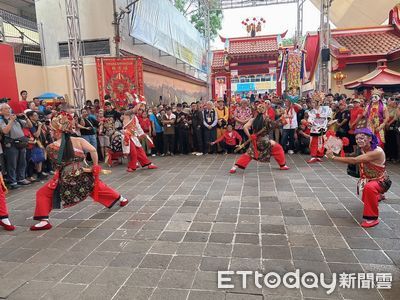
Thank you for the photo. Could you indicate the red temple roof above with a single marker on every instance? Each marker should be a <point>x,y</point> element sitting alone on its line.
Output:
<point>253,45</point>
<point>218,59</point>
<point>380,41</point>
<point>358,45</point>
<point>381,76</point>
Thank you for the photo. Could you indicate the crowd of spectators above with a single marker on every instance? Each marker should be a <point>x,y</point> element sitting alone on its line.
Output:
<point>198,128</point>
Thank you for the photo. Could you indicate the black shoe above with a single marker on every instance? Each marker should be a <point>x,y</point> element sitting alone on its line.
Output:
<point>42,176</point>
<point>14,186</point>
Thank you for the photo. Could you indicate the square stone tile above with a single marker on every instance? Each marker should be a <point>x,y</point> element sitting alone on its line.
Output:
<point>133,292</point>
<point>99,258</point>
<point>162,294</point>
<point>276,252</point>
<point>246,251</point>
<point>95,291</point>
<point>307,253</point>
<point>339,255</point>
<point>214,264</point>
<point>64,291</point>
<point>144,277</point>
<point>221,238</point>
<point>190,248</point>
<point>205,281</point>
<point>156,261</point>
<point>54,273</point>
<point>176,279</point>
<point>209,295</point>
<point>82,274</point>
<point>362,243</point>
<point>113,276</point>
<point>185,263</point>
<point>372,257</point>
<point>196,237</point>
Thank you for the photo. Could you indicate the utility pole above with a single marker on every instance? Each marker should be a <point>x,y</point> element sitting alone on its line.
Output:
<point>116,22</point>
<point>118,16</point>
<point>324,46</point>
<point>75,48</point>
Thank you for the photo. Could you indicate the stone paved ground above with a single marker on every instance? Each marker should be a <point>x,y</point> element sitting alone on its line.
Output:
<point>189,219</point>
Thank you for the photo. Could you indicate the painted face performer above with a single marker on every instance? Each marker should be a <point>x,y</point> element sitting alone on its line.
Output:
<point>318,117</point>
<point>374,180</point>
<point>131,144</point>
<point>261,147</point>
<point>72,182</point>
<point>377,115</point>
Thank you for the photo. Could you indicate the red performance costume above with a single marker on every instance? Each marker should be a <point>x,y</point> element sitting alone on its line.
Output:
<point>132,146</point>
<point>4,222</point>
<point>374,181</point>
<point>72,182</point>
<point>261,147</point>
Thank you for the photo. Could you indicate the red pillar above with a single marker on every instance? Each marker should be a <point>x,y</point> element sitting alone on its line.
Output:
<point>8,77</point>
<point>212,86</point>
<point>228,87</point>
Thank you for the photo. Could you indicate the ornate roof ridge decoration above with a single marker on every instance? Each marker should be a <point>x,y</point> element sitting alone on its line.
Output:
<point>249,38</point>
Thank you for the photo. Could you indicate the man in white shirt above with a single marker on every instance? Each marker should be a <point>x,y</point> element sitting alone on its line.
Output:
<point>290,125</point>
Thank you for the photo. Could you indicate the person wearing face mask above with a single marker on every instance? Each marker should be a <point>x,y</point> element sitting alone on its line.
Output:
<point>374,180</point>
<point>261,147</point>
<point>377,115</point>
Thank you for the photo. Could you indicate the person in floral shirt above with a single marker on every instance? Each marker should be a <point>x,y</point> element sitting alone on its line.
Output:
<point>242,115</point>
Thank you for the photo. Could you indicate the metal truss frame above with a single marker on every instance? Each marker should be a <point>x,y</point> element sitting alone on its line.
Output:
<point>75,48</point>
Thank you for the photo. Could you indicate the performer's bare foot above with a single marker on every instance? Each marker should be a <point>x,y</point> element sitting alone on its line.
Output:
<point>6,224</point>
<point>152,167</point>
<point>284,168</point>
<point>130,170</point>
<point>369,223</point>
<point>42,225</point>
<point>123,201</point>
<point>233,170</point>
<point>312,160</point>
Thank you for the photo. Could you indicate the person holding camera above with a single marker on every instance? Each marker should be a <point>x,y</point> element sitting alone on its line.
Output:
<point>14,145</point>
<point>36,154</point>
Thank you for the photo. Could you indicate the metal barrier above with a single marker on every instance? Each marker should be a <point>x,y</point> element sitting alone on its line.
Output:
<point>23,35</point>
<point>17,20</point>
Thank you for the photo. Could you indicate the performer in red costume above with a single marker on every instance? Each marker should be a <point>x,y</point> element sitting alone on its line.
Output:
<point>131,145</point>
<point>72,182</point>
<point>261,147</point>
<point>374,180</point>
<point>318,117</point>
<point>4,221</point>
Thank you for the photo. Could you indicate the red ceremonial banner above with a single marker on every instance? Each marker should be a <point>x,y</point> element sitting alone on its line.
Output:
<point>8,77</point>
<point>118,76</point>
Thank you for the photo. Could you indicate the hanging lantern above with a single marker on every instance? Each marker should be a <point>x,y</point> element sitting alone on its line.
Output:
<point>339,76</point>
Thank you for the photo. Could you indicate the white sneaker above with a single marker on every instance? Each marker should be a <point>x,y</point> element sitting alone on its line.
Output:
<point>290,152</point>
<point>194,153</point>
<point>199,154</point>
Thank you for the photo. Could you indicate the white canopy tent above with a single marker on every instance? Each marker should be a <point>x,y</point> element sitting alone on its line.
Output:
<point>356,13</point>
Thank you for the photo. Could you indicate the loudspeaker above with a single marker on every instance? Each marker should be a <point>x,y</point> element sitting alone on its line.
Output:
<point>326,54</point>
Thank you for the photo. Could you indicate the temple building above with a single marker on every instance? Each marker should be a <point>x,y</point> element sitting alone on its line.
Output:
<point>246,65</point>
<point>360,57</point>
